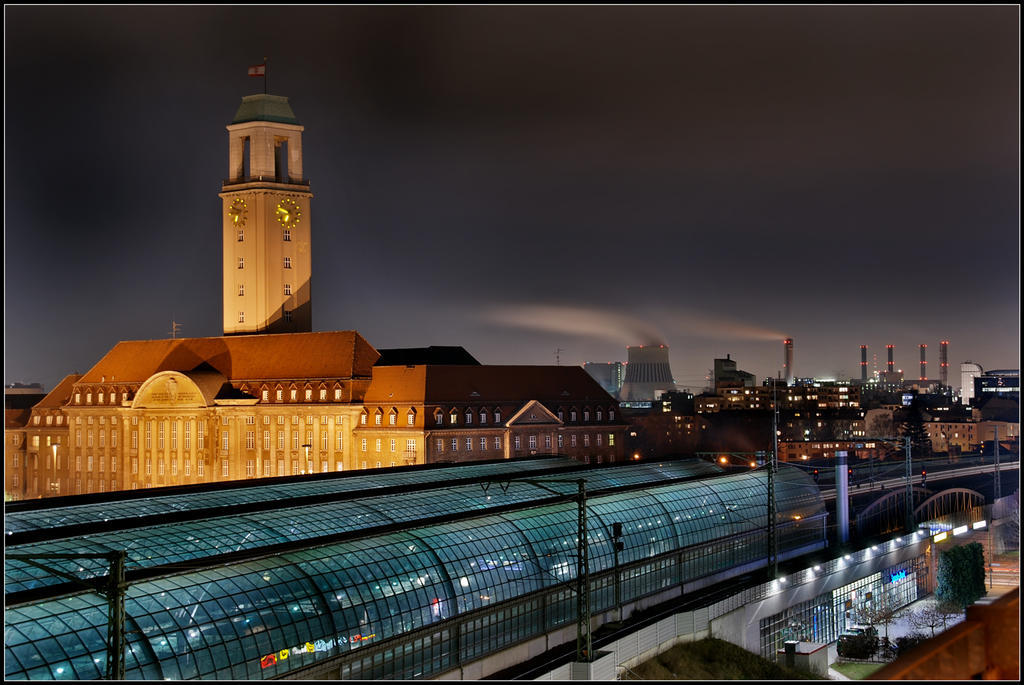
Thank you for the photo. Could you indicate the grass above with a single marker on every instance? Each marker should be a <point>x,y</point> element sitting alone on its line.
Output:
<point>713,659</point>
<point>855,671</point>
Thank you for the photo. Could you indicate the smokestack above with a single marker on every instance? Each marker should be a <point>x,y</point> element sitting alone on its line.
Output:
<point>944,362</point>
<point>787,361</point>
<point>924,372</point>
<point>889,364</point>
<point>863,363</point>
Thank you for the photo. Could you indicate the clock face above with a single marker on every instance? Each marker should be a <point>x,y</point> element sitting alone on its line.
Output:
<point>288,213</point>
<point>237,212</point>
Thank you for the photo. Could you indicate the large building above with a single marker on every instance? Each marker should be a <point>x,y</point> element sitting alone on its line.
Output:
<point>273,398</point>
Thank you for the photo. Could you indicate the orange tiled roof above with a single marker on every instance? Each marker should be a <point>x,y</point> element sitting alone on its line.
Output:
<point>483,384</point>
<point>60,395</point>
<point>329,354</point>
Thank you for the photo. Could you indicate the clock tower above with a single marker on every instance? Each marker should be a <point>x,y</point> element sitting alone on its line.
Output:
<point>266,219</point>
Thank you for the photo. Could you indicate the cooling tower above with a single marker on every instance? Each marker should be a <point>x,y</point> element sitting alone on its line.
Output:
<point>787,359</point>
<point>647,373</point>
<point>924,364</point>
<point>944,363</point>
<point>863,363</point>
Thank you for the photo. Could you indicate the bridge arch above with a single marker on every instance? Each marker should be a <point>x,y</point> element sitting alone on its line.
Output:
<point>887,513</point>
<point>948,501</point>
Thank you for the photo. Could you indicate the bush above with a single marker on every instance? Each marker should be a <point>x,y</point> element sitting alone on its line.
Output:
<point>907,641</point>
<point>861,646</point>
<point>961,575</point>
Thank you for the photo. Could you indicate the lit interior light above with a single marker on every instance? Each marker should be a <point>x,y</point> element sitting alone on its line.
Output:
<point>722,460</point>
<point>817,568</point>
<point>940,537</point>
<point>959,530</point>
<point>874,548</point>
<point>979,524</point>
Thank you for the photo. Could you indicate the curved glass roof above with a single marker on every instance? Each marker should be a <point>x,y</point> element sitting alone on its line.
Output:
<point>192,540</point>
<point>353,481</point>
<point>268,616</point>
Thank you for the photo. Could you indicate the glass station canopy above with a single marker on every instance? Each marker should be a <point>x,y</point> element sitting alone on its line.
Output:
<point>217,594</point>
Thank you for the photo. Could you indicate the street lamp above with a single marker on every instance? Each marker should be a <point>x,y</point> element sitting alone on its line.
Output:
<point>306,447</point>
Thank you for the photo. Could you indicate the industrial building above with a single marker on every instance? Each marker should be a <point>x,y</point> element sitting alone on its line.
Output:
<point>414,572</point>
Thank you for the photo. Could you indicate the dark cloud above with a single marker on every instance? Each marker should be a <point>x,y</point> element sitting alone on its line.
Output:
<point>844,175</point>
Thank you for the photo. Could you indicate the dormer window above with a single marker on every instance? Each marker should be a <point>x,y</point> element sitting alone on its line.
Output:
<point>309,394</point>
<point>438,417</point>
<point>469,417</point>
<point>600,415</point>
<point>572,415</point>
<point>497,416</point>
<point>294,394</point>
<point>393,418</point>
<point>279,395</point>
<point>362,419</point>
<point>453,419</point>
<point>483,418</point>
<point>377,418</point>
<point>586,415</point>
<point>410,418</point>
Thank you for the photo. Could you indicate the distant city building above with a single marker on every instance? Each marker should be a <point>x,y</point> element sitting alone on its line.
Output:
<point>815,395</point>
<point>726,375</point>
<point>608,374</point>
<point>24,389</point>
<point>998,382</point>
<point>968,372</point>
<point>648,373</point>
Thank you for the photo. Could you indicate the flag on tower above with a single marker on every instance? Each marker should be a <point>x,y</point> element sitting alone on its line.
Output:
<point>258,70</point>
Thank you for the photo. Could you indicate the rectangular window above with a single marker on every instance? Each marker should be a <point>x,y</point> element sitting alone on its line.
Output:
<point>497,416</point>
<point>455,444</point>
<point>287,262</point>
<point>188,467</point>
<point>201,434</point>
<point>287,315</point>
<point>287,288</point>
<point>241,262</point>
<point>241,317</point>
<point>241,290</point>
<point>88,463</point>
<point>113,438</point>
<point>287,235</point>
<point>241,236</point>
<point>533,442</point>
<point>160,434</point>
<point>113,464</point>
<point>469,444</point>
<point>103,438</point>
<point>174,467</point>
<point>323,467</point>
<point>250,468</point>
<point>497,443</point>
<point>586,439</point>
<point>149,466</point>
<point>224,467</point>
<point>200,467</point>
<point>280,467</point>
<point>160,467</point>
<point>393,444</point>
<point>266,467</point>
<point>363,444</point>
<point>324,440</point>
<point>90,438</point>
<point>225,441</point>
<point>149,435</point>
<point>78,438</point>
<point>572,440</point>
<point>561,441</point>
<point>440,445</point>
<point>483,443</point>
<point>517,442</point>
<point>135,464</point>
<point>266,440</point>
<point>378,445</point>
<point>410,419</point>
<point>174,435</point>
<point>280,440</point>
<point>188,435</point>
<point>250,440</point>
<point>340,441</point>
<point>410,445</point>
<point>598,439</point>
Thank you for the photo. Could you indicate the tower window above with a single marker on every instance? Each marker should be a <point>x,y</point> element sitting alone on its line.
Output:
<point>241,290</point>
<point>241,235</point>
<point>241,262</point>
<point>241,317</point>
<point>287,315</point>
<point>287,235</point>
<point>287,262</point>
<point>287,288</point>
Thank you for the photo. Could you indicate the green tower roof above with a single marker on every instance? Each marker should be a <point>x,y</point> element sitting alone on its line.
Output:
<point>265,108</point>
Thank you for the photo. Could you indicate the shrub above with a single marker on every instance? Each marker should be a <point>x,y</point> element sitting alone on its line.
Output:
<point>907,641</point>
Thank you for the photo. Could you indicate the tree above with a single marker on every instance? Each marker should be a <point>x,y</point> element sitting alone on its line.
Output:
<point>932,616</point>
<point>880,613</point>
<point>961,575</point>
<point>912,425</point>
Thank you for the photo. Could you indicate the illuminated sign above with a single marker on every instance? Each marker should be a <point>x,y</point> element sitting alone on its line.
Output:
<point>313,647</point>
<point>899,575</point>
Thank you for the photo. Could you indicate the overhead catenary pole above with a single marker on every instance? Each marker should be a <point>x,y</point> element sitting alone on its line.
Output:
<point>909,494</point>
<point>997,491</point>
<point>583,642</point>
<point>773,465</point>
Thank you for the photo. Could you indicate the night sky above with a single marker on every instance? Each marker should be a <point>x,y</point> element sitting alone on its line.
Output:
<point>520,179</point>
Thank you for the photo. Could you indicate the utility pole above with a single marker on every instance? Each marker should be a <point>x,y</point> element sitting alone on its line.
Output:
<point>997,491</point>
<point>773,465</point>
<point>909,495</point>
<point>175,328</point>
<point>557,357</point>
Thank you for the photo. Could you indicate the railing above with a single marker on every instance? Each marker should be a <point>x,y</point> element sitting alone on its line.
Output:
<point>266,179</point>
